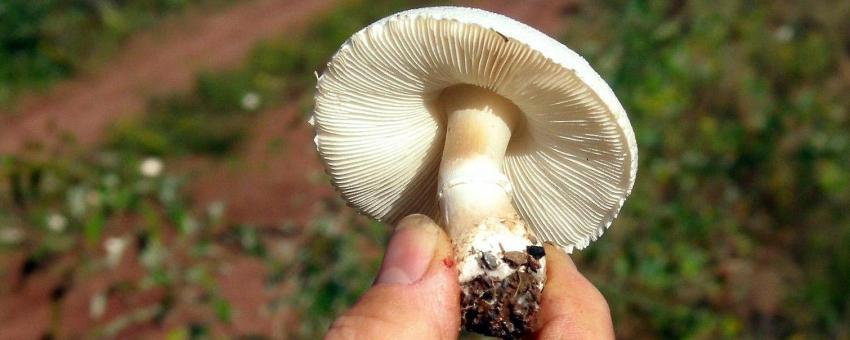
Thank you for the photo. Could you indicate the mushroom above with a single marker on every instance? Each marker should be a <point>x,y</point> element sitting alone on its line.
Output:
<point>501,133</point>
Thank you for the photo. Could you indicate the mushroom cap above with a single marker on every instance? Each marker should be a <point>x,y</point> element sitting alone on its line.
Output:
<point>571,162</point>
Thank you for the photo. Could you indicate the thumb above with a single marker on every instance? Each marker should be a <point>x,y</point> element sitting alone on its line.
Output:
<point>416,293</point>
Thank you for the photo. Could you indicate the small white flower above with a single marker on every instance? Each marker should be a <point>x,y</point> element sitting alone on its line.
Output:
<point>215,211</point>
<point>153,255</point>
<point>189,225</point>
<point>11,235</point>
<point>97,305</point>
<point>115,247</point>
<point>251,101</point>
<point>151,167</point>
<point>111,180</point>
<point>76,198</point>
<point>56,222</point>
<point>784,33</point>
<point>93,198</point>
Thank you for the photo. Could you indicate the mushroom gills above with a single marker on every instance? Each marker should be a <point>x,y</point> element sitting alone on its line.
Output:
<point>501,268</point>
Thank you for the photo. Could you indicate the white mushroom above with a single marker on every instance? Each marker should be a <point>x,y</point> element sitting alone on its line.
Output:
<point>487,125</point>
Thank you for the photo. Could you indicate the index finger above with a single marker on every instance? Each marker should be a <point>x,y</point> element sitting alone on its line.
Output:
<point>571,307</point>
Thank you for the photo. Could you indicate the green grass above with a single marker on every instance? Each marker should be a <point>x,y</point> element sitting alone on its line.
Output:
<point>332,270</point>
<point>42,41</point>
<point>89,204</point>
<point>741,117</point>
<point>108,197</point>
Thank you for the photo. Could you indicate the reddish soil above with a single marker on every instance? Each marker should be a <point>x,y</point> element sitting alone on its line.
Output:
<point>25,307</point>
<point>157,62</point>
<point>278,178</point>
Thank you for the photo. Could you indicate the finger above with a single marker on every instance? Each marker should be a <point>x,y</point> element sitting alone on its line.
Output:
<point>416,293</point>
<point>571,307</point>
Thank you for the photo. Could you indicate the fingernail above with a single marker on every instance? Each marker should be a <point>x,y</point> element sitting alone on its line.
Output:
<point>553,250</point>
<point>410,251</point>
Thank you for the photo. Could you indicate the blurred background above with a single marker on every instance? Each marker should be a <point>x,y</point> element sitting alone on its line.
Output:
<point>157,177</point>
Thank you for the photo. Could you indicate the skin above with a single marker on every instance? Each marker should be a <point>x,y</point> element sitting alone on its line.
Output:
<point>416,292</point>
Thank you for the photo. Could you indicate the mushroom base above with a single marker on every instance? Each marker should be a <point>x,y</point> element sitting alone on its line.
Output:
<point>505,308</point>
<point>502,273</point>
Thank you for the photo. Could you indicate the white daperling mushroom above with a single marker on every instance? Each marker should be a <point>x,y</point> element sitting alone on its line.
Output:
<point>504,135</point>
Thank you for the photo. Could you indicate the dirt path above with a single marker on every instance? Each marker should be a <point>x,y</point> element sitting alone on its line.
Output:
<point>166,59</point>
<point>157,62</point>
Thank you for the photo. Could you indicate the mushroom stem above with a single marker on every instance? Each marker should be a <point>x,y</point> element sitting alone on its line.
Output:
<point>472,184</point>
<point>500,264</point>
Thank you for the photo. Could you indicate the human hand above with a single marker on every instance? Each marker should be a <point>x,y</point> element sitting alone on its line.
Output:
<point>416,294</point>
